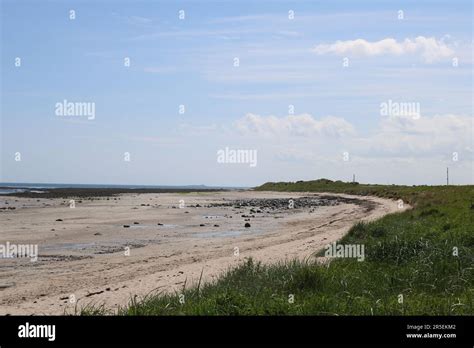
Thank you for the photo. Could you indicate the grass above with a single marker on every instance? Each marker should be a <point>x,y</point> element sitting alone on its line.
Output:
<point>411,254</point>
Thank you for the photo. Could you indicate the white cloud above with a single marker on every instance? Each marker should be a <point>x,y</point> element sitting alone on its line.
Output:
<point>429,48</point>
<point>437,136</point>
<point>293,125</point>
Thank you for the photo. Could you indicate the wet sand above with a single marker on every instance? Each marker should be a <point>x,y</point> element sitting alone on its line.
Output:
<point>86,253</point>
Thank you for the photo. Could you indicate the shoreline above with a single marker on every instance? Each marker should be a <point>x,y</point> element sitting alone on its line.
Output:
<point>83,254</point>
<point>90,192</point>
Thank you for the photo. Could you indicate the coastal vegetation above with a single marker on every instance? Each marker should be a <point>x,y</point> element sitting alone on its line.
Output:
<point>417,262</point>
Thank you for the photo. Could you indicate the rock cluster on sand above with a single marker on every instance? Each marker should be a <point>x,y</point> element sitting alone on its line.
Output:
<point>258,205</point>
<point>267,205</point>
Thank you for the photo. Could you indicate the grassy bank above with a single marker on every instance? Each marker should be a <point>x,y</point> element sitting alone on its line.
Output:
<point>420,261</point>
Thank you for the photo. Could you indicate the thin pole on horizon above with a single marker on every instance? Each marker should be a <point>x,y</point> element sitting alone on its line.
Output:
<point>447,176</point>
<point>353,178</point>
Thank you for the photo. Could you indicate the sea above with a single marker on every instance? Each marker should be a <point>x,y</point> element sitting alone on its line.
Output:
<point>14,187</point>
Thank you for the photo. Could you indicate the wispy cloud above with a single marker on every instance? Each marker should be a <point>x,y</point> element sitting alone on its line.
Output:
<point>216,33</point>
<point>262,96</point>
<point>139,20</point>
<point>294,125</point>
<point>160,69</point>
<point>133,19</point>
<point>243,19</point>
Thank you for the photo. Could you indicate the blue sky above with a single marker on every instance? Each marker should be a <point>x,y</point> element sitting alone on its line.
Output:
<point>336,128</point>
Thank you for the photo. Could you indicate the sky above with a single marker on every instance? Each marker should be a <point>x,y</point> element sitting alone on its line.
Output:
<point>382,90</point>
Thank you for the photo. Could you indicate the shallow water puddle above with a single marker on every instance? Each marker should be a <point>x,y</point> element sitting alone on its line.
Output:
<point>105,247</point>
<point>221,234</point>
<point>218,234</point>
<point>154,226</point>
<point>69,246</point>
<point>212,216</point>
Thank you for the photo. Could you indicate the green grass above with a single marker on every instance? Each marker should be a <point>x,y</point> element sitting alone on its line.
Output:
<point>408,253</point>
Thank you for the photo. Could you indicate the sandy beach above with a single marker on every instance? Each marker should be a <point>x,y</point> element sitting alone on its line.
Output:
<point>105,250</point>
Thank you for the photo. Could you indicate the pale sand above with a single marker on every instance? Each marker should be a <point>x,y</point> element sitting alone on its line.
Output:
<point>161,258</point>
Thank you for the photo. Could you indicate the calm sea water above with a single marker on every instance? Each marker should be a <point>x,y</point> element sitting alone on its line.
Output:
<point>9,187</point>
